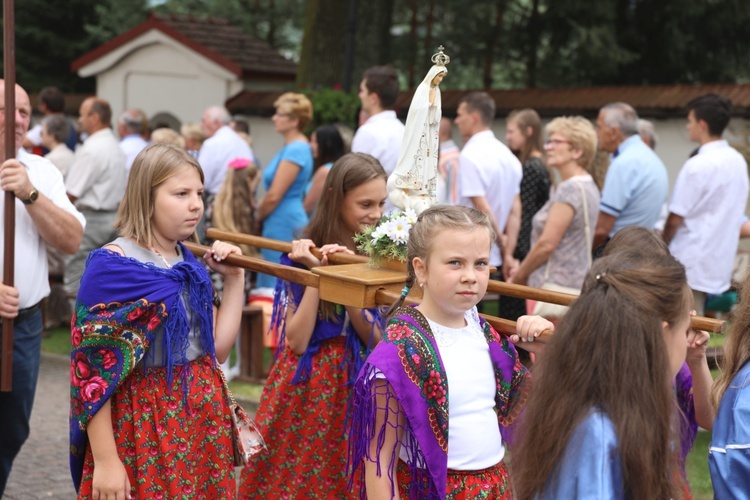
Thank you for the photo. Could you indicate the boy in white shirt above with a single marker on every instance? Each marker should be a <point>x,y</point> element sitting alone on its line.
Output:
<point>708,201</point>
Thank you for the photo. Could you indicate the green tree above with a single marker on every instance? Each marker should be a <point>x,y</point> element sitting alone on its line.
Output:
<point>48,37</point>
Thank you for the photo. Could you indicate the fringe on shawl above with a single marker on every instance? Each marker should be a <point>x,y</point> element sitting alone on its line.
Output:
<point>289,294</point>
<point>197,290</point>
<point>370,398</point>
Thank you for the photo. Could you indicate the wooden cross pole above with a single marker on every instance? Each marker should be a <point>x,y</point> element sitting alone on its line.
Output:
<point>9,222</point>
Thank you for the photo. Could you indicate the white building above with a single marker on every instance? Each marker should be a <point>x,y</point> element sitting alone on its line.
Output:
<point>173,67</point>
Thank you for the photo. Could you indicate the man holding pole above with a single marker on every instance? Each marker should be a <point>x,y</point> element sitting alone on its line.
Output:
<point>44,216</point>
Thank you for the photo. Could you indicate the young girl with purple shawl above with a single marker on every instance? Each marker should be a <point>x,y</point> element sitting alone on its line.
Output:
<point>149,413</point>
<point>409,436</point>
<point>322,346</point>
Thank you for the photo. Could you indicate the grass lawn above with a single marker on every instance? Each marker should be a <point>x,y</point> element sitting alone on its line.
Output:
<point>697,467</point>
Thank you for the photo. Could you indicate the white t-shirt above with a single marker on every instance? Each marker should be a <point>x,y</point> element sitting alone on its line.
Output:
<point>30,267</point>
<point>710,195</point>
<point>97,176</point>
<point>216,153</point>
<point>474,439</point>
<point>380,136</point>
<point>488,168</point>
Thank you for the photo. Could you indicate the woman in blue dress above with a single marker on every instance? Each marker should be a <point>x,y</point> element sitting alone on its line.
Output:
<point>600,421</point>
<point>284,179</point>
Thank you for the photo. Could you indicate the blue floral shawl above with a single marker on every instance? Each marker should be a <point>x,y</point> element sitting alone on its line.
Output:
<point>122,304</point>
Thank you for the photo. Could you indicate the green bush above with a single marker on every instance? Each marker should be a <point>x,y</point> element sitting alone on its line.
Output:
<point>332,106</point>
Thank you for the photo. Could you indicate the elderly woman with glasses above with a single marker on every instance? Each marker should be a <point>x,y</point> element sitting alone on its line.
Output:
<point>563,229</point>
<point>281,209</point>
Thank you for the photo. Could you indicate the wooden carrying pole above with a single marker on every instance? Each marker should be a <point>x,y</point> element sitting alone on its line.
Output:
<point>500,287</point>
<point>308,278</point>
<point>9,222</point>
<point>280,246</point>
<point>526,292</point>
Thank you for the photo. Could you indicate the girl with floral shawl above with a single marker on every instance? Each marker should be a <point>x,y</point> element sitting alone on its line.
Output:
<point>149,415</point>
<point>437,360</point>
<point>322,346</point>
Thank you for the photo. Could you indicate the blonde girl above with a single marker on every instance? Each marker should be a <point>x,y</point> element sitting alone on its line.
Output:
<point>149,413</point>
<point>410,437</point>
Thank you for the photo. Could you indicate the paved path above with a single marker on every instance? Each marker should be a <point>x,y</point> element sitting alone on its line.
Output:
<point>41,470</point>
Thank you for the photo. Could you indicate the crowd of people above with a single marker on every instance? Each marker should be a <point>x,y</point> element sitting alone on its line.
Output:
<point>417,402</point>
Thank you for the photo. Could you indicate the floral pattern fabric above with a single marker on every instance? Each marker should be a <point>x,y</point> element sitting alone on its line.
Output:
<point>124,307</point>
<point>408,358</point>
<point>490,484</point>
<point>304,427</point>
<point>173,445</point>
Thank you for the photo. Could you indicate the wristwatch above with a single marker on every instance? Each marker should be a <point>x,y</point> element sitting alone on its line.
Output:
<point>33,195</point>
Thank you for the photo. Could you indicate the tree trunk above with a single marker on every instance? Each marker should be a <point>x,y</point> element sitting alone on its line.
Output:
<point>413,39</point>
<point>429,22</point>
<point>534,30</point>
<point>322,57</point>
<point>373,45</point>
<point>491,42</point>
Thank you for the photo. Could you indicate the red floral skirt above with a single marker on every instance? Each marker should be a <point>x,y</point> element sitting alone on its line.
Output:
<point>171,449</point>
<point>493,482</point>
<point>303,426</point>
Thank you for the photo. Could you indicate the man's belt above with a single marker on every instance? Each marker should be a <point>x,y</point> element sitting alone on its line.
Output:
<point>28,311</point>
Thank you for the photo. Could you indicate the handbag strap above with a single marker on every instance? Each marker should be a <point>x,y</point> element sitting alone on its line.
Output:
<point>587,227</point>
<point>230,396</point>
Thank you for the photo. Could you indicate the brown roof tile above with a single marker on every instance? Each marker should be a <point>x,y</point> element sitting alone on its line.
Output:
<point>214,38</point>
<point>648,100</point>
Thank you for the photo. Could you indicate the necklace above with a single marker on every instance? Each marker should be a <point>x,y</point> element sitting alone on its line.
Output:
<point>166,263</point>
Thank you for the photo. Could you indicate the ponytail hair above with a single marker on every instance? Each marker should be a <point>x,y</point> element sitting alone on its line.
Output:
<point>609,355</point>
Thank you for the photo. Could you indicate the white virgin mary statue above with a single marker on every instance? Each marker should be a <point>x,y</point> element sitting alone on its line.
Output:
<point>412,184</point>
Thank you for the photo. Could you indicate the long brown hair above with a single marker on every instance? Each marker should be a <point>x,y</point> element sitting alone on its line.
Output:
<point>428,225</point>
<point>737,345</point>
<point>233,207</point>
<point>609,354</point>
<point>525,119</point>
<point>349,172</point>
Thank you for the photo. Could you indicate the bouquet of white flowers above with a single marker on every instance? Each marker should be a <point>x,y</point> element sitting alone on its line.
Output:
<point>387,240</point>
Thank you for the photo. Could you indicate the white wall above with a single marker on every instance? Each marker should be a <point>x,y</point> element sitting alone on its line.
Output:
<point>161,78</point>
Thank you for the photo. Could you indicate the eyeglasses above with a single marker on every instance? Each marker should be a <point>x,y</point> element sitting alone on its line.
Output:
<point>555,142</point>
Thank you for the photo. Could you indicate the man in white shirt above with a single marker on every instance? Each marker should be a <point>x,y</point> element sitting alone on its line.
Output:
<point>44,217</point>
<point>382,133</point>
<point>96,184</point>
<point>222,145</point>
<point>489,174</point>
<point>708,202</point>
<point>130,128</point>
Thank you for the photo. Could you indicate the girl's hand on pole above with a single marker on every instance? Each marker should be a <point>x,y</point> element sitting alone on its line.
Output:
<point>219,251</point>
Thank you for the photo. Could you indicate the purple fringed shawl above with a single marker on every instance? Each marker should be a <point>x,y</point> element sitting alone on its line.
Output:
<point>122,304</point>
<point>409,358</point>
<point>289,294</point>
<point>686,403</point>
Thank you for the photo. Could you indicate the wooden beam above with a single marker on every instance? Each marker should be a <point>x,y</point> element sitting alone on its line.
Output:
<point>9,222</point>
